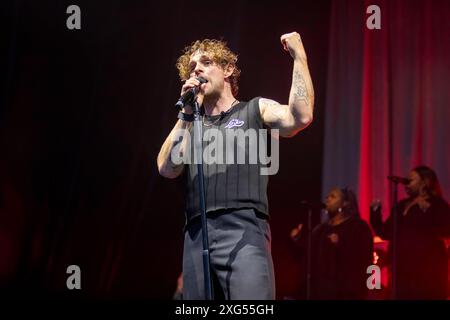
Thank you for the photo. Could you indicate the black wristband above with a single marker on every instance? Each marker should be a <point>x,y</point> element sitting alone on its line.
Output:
<point>185,117</point>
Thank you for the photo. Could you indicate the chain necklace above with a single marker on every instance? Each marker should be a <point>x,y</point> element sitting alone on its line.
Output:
<point>222,115</point>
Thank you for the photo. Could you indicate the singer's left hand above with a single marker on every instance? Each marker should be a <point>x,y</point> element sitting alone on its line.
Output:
<point>292,42</point>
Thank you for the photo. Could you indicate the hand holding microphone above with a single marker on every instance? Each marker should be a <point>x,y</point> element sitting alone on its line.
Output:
<point>189,90</point>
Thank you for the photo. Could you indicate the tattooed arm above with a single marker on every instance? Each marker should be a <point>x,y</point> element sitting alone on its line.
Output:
<point>178,138</point>
<point>298,114</point>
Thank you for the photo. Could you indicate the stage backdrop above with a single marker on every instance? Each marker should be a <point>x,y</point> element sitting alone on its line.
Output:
<point>388,96</point>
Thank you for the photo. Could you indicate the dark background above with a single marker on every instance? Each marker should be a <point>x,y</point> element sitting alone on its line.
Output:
<point>84,113</point>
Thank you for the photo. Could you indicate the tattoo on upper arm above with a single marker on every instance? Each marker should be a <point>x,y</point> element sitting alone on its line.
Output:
<point>269,103</point>
<point>300,90</point>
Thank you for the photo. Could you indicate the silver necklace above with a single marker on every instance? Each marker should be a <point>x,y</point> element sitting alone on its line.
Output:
<point>222,115</point>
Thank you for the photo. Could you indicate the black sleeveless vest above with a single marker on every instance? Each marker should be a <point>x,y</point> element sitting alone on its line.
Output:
<point>230,184</point>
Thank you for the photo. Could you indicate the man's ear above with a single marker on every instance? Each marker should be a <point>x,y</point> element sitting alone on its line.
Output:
<point>228,71</point>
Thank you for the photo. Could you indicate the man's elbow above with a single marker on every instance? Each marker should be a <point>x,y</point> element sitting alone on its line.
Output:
<point>301,124</point>
<point>168,173</point>
<point>305,121</point>
<point>307,117</point>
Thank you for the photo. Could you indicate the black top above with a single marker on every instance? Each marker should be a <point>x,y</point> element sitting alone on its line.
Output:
<point>421,253</point>
<point>338,269</point>
<point>230,185</point>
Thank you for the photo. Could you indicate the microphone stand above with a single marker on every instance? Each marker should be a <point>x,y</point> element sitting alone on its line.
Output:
<point>308,256</point>
<point>308,248</point>
<point>198,150</point>
<point>394,238</point>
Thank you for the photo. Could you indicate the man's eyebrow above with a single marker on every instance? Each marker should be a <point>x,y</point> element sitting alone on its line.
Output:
<point>202,58</point>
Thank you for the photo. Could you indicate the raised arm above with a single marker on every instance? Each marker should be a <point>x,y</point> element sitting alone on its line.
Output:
<point>298,113</point>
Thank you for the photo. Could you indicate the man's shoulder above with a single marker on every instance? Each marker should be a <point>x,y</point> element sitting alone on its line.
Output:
<point>252,101</point>
<point>252,105</point>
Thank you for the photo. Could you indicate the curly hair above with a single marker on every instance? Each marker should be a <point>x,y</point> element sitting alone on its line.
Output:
<point>218,52</point>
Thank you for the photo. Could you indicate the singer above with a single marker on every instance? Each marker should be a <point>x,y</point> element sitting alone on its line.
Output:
<point>236,194</point>
<point>423,220</point>
<point>341,250</point>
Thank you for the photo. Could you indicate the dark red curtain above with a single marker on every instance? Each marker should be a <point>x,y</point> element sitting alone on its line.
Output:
<point>388,96</point>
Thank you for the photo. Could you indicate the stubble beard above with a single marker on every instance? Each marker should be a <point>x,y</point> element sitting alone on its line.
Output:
<point>211,98</point>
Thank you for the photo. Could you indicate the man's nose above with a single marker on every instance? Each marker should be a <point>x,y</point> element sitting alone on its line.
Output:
<point>198,70</point>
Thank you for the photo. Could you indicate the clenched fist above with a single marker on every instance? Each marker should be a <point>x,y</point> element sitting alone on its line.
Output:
<point>292,42</point>
<point>190,83</point>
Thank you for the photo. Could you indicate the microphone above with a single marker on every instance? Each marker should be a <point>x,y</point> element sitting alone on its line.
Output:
<point>189,95</point>
<point>397,179</point>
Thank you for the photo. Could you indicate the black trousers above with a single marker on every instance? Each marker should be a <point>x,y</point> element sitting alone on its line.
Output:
<point>240,256</point>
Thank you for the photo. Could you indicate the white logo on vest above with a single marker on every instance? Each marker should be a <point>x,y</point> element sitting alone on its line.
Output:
<point>234,123</point>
